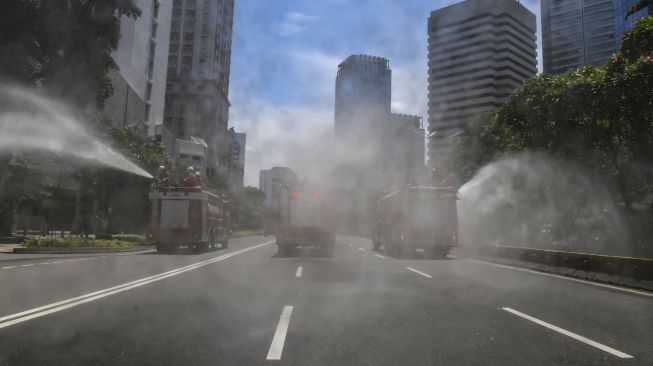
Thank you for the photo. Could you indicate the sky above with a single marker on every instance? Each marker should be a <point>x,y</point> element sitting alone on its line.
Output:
<point>285,55</point>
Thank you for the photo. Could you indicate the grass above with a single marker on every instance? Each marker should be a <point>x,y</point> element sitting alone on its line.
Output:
<point>71,242</point>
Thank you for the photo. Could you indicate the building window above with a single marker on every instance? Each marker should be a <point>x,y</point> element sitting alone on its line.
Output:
<point>184,87</point>
<point>155,28</point>
<point>174,36</point>
<point>176,4</point>
<point>190,15</point>
<point>196,158</point>
<point>155,8</point>
<point>188,37</point>
<point>188,50</point>
<point>174,48</point>
<point>176,14</point>
<point>148,91</point>
<point>147,112</point>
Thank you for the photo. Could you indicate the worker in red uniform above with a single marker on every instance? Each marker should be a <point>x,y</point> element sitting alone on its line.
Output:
<point>198,179</point>
<point>191,179</point>
<point>165,179</point>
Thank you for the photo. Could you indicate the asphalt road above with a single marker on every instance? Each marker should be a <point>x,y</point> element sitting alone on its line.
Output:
<point>248,306</point>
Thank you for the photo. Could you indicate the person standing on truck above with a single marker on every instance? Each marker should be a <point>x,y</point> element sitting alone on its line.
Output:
<point>191,179</point>
<point>165,179</point>
<point>198,180</point>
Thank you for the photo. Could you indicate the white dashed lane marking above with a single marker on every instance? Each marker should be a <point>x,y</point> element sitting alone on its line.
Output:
<point>575,336</point>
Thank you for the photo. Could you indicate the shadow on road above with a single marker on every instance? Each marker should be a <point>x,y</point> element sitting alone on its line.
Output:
<point>303,253</point>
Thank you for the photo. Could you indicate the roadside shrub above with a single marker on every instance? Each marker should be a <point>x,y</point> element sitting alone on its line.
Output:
<point>132,238</point>
<point>75,243</point>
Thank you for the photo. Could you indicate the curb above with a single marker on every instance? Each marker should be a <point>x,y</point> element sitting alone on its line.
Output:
<point>64,250</point>
<point>598,277</point>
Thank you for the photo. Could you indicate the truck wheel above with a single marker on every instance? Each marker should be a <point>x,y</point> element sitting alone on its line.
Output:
<point>284,250</point>
<point>225,244</point>
<point>439,252</point>
<point>328,250</point>
<point>376,245</point>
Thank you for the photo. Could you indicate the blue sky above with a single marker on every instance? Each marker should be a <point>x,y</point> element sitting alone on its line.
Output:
<point>285,56</point>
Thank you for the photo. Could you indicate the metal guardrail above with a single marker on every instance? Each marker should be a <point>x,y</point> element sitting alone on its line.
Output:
<point>637,268</point>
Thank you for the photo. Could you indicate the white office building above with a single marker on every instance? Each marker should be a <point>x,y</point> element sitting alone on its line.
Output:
<point>142,57</point>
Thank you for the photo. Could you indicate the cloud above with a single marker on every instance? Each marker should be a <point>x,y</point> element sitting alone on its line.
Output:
<point>293,23</point>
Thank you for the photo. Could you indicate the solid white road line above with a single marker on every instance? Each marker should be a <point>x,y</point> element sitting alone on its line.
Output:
<point>27,265</point>
<point>69,303</point>
<point>379,255</point>
<point>624,289</point>
<point>299,272</point>
<point>361,249</point>
<point>9,267</point>
<point>280,335</point>
<point>570,334</point>
<point>419,250</point>
<point>419,272</point>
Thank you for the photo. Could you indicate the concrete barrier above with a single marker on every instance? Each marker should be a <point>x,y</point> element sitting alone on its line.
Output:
<point>626,271</point>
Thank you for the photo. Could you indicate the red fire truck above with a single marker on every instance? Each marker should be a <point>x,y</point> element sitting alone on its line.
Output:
<point>417,219</point>
<point>305,220</point>
<point>188,220</point>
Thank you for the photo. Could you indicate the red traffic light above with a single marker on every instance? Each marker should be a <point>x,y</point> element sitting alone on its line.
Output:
<point>294,195</point>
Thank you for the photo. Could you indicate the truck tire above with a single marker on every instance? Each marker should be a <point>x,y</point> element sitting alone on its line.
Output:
<point>439,252</point>
<point>376,245</point>
<point>225,244</point>
<point>284,249</point>
<point>328,249</point>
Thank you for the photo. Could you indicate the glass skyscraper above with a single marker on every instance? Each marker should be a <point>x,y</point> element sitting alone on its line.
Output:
<point>621,23</point>
<point>577,32</point>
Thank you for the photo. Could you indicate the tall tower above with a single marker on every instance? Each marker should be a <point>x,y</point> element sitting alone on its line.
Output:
<point>197,92</point>
<point>480,51</point>
<point>362,110</point>
<point>578,32</point>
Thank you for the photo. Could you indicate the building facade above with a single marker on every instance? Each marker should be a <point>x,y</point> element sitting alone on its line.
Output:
<point>272,180</point>
<point>197,91</point>
<point>577,32</point>
<point>362,104</point>
<point>622,22</point>
<point>142,58</point>
<point>237,159</point>
<point>480,51</point>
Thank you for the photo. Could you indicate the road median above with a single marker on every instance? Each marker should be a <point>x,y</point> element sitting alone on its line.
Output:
<point>622,271</point>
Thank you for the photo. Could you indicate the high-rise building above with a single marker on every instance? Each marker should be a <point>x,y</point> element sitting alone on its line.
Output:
<point>271,182</point>
<point>480,51</point>
<point>142,57</point>
<point>577,32</point>
<point>362,103</point>
<point>197,92</point>
<point>622,22</point>
<point>237,159</point>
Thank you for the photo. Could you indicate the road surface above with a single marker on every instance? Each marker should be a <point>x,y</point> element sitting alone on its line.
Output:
<point>248,306</point>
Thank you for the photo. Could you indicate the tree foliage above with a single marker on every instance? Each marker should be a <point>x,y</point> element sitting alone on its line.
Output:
<point>247,209</point>
<point>63,46</point>
<point>599,117</point>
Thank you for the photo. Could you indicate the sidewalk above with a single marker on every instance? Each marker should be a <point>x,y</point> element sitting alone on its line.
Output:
<point>8,248</point>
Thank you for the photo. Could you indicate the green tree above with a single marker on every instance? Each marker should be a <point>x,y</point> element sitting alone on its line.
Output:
<point>19,186</point>
<point>247,211</point>
<point>63,45</point>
